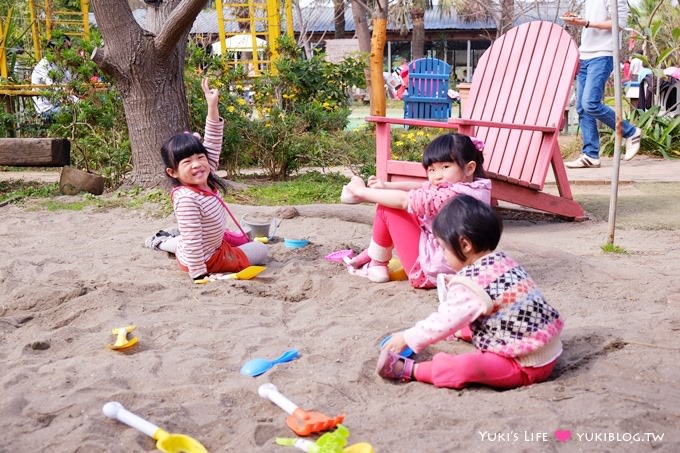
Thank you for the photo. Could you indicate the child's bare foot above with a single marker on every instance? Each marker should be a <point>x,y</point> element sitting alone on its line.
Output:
<point>347,197</point>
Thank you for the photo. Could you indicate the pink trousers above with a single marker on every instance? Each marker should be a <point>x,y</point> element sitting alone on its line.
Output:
<point>485,368</point>
<point>399,229</point>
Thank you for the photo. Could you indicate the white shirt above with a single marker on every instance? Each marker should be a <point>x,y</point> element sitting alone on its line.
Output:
<point>594,41</point>
<point>41,76</point>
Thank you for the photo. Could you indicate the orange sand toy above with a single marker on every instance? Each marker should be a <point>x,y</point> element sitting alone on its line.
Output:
<point>302,422</point>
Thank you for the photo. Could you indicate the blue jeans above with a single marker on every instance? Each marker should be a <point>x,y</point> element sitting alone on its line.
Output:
<point>590,81</point>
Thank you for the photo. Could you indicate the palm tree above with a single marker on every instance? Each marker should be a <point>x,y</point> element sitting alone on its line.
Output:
<point>339,10</point>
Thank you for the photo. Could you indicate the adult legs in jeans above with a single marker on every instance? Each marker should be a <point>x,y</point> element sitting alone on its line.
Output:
<point>590,82</point>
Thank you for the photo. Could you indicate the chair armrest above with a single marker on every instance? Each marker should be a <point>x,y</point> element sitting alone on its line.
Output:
<point>454,123</point>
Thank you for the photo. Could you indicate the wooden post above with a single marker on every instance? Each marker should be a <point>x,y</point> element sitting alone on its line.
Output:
<point>35,152</point>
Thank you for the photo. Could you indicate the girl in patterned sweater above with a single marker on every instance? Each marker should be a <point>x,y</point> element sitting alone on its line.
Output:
<point>515,331</point>
<point>203,247</point>
<point>405,210</point>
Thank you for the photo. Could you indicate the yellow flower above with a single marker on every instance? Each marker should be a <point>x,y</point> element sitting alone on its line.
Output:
<point>241,101</point>
<point>420,133</point>
<point>231,109</point>
<point>398,143</point>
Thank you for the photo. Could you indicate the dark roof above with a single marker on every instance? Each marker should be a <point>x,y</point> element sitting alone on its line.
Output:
<point>321,19</point>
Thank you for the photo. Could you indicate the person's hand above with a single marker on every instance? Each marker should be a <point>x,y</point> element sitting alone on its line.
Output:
<point>396,343</point>
<point>375,183</point>
<point>574,19</point>
<point>212,95</point>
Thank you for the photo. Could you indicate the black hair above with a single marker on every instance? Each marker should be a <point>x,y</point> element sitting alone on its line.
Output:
<point>456,148</point>
<point>467,217</point>
<point>179,147</point>
<point>59,41</point>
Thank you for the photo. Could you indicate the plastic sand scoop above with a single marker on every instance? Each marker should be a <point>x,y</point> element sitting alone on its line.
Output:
<point>246,274</point>
<point>122,341</point>
<point>167,442</point>
<point>302,422</point>
<point>331,442</point>
<point>258,366</point>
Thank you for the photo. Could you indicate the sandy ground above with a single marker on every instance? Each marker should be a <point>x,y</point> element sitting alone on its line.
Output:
<point>67,278</point>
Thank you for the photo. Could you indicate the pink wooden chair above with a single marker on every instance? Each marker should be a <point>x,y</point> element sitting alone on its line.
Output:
<point>516,104</point>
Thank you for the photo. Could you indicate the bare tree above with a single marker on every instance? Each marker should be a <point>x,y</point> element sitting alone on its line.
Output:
<point>360,11</point>
<point>146,65</point>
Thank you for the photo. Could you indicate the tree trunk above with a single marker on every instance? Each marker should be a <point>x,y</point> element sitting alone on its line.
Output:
<point>360,15</point>
<point>339,8</point>
<point>147,68</point>
<point>507,16</point>
<point>155,109</point>
<point>378,40</point>
<point>418,36</point>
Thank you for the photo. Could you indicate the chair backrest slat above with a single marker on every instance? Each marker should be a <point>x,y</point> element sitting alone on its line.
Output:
<point>525,77</point>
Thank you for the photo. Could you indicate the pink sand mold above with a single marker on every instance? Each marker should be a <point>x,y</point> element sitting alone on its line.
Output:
<point>340,255</point>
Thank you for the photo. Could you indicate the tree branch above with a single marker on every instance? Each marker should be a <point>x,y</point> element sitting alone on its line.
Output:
<point>115,21</point>
<point>100,58</point>
<point>178,23</point>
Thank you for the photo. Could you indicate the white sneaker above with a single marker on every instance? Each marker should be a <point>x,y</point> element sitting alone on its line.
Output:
<point>633,144</point>
<point>583,161</point>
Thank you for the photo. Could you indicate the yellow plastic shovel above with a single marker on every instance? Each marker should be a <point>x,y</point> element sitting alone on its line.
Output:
<point>167,442</point>
<point>246,274</point>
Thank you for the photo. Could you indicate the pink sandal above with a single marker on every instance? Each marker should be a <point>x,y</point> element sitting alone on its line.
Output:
<point>388,366</point>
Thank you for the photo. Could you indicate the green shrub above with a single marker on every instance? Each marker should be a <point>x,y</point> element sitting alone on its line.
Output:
<point>286,118</point>
<point>660,134</point>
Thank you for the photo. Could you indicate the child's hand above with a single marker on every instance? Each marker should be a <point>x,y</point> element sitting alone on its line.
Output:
<point>375,183</point>
<point>212,96</point>
<point>396,343</point>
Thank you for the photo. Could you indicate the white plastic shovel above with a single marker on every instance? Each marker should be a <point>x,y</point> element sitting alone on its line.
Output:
<point>167,442</point>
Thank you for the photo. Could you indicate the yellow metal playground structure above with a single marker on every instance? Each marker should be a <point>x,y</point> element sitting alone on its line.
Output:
<point>247,33</point>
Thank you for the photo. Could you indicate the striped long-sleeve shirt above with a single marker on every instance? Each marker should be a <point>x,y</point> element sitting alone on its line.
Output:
<point>201,216</point>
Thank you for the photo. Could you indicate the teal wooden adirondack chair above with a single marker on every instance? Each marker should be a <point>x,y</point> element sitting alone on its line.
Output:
<point>428,85</point>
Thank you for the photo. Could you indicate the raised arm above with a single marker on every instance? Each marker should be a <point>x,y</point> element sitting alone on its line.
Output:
<point>212,98</point>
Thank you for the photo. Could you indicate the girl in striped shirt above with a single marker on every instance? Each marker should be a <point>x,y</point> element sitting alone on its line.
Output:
<point>203,247</point>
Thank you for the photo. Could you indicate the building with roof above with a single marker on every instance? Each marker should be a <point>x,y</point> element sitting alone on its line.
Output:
<point>447,36</point>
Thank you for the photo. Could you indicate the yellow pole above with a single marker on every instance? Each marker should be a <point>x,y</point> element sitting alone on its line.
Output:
<point>48,19</point>
<point>274,25</point>
<point>4,29</point>
<point>253,37</point>
<point>289,19</point>
<point>35,32</point>
<point>85,9</point>
<point>220,27</point>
